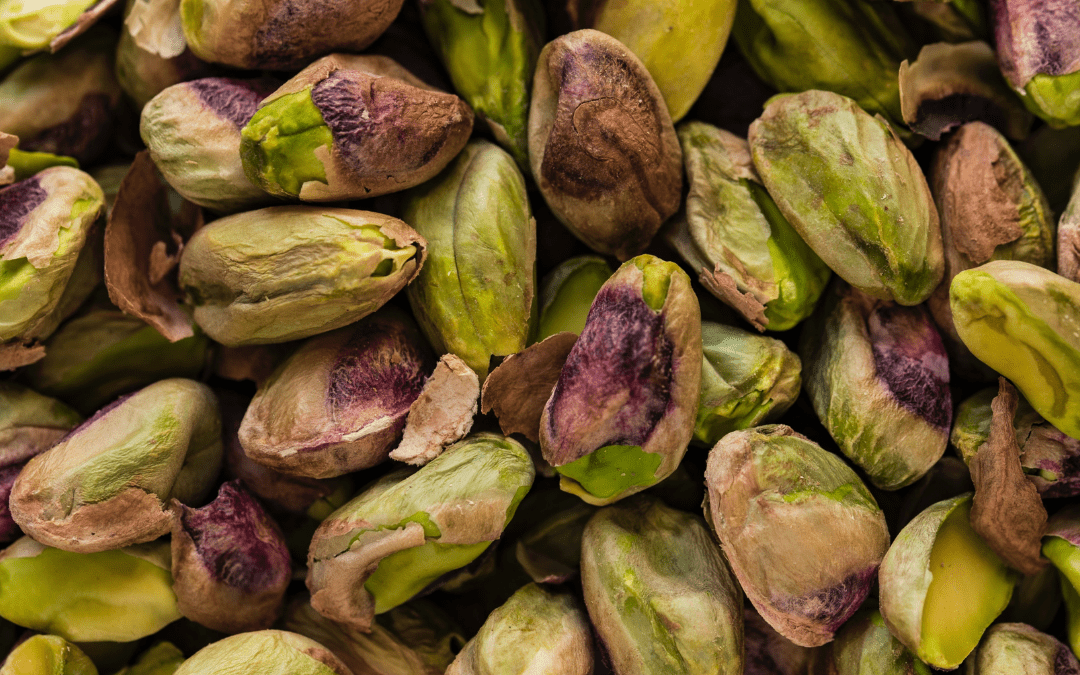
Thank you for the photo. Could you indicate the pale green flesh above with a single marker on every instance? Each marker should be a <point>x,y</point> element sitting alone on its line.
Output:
<point>279,142</point>
<point>568,311</point>
<point>613,469</point>
<point>400,576</point>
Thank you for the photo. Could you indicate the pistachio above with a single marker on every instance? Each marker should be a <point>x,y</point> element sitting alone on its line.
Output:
<point>47,655</point>
<point>152,54</point>
<point>1068,243</point>
<point>864,646</point>
<point>161,659</point>
<point>31,28</point>
<point>26,163</point>
<point>567,292</point>
<point>1018,648</point>
<point>270,652</point>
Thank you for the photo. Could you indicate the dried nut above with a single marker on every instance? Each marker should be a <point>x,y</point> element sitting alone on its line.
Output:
<point>1021,321</point>
<point>536,631</point>
<point>290,272</point>
<point>96,357</point>
<point>267,652</point>
<point>659,593</point>
<point>161,659</point>
<point>732,234</point>
<point>116,596</point>
<point>864,646</point>
<point>941,586</point>
<point>550,552</point>
<point>44,227</point>
<point>32,27</point>
<point>1038,47</point>
<point>637,369</point>
<point>107,483</point>
<point>567,292</point>
<point>852,190</point>
<point>47,655</point>
<point>349,127</point>
<point>490,51</point>
<point>475,296</point>
<point>878,377</point>
<point>950,84</point>
<point>152,54</point>
<point>339,403</point>
<point>193,133</point>
<point>26,163</point>
<point>851,48</point>
<point>64,103</point>
<point>602,146</point>
<point>802,533</point>
<point>746,380</point>
<point>1009,648</point>
<point>405,531</point>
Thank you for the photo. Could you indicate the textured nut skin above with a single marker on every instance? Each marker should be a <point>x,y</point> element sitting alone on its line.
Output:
<point>1019,648</point>
<point>270,652</point>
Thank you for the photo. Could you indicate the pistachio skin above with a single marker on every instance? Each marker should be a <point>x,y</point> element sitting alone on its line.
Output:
<point>271,652</point>
<point>1019,648</point>
<point>864,646</point>
<point>823,159</point>
<point>47,655</point>
<point>152,55</point>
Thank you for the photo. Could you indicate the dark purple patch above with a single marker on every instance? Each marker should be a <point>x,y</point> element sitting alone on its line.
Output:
<point>937,116</point>
<point>231,99</point>
<point>831,607</point>
<point>16,203</point>
<point>1036,36</point>
<point>84,136</point>
<point>238,542</point>
<point>9,530</point>
<point>1065,662</point>
<point>910,359</point>
<point>623,352</point>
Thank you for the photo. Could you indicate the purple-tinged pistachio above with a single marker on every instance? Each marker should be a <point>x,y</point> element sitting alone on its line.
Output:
<point>340,402</point>
<point>45,226</point>
<point>746,380</point>
<point>350,127</point>
<point>289,272</point>
<point>193,133</point>
<point>878,376</point>
<point>1038,48</point>
<point>107,483</point>
<point>47,655</point>
<point>230,565</point>
<point>111,596</point>
<point>550,552</point>
<point>164,658</point>
<point>567,292</point>
<point>769,652</point>
<point>731,233</point>
<point>1068,241</point>
<point>951,84</point>
<point>802,533</point>
<point>991,209</point>
<point>442,414</point>
<point>864,646</point>
<point>602,146</point>
<point>537,631</point>
<point>267,652</point>
<point>413,639</point>
<point>853,191</point>
<point>476,295</point>
<point>622,413</point>
<point>659,593</point>
<point>64,103</point>
<point>941,586</point>
<point>1010,648</point>
<point>404,532</point>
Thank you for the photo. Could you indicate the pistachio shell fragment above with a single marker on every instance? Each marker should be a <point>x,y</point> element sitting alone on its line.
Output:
<point>107,483</point>
<point>269,652</point>
<point>802,533</point>
<point>602,146</point>
<point>1018,648</point>
<point>47,655</point>
<point>518,389</point>
<point>442,414</point>
<point>290,272</point>
<point>622,413</point>
<point>853,191</point>
<point>567,292</point>
<point>659,593</point>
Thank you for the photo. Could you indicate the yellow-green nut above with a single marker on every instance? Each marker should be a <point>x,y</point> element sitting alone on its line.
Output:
<point>1061,544</point>
<point>864,646</point>
<point>941,586</point>
<point>269,652</point>
<point>152,54</point>
<point>636,369</point>
<point>536,631</point>
<point>746,380</point>
<point>47,655</point>
<point>193,129</point>
<point>602,147</point>
<point>731,233</point>
<point>31,26</point>
<point>45,223</point>
<point>567,292</point>
<point>476,295</point>
<point>95,357</point>
<point>64,103</point>
<point>109,596</point>
<point>853,191</point>
<point>878,376</point>
<point>107,484</point>
<point>26,163</point>
<point>164,658</point>
<point>350,127</point>
<point>1021,320</point>
<point>1009,648</point>
<point>290,272</point>
<point>850,47</point>
<point>801,531</point>
<point>659,593</point>
<point>338,404</point>
<point>490,51</point>
<point>408,529</point>
<point>1039,53</point>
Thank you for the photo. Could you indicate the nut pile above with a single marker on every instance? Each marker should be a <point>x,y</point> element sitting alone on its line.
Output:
<point>507,337</point>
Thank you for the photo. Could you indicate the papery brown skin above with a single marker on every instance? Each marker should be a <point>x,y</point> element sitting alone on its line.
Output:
<point>442,414</point>
<point>520,386</point>
<point>18,354</point>
<point>602,147</point>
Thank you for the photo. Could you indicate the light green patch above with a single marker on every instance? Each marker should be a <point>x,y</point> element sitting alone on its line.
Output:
<point>613,469</point>
<point>26,164</point>
<point>279,142</point>
<point>1055,98</point>
<point>400,576</point>
<point>657,273</point>
<point>840,494</point>
<point>31,25</point>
